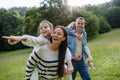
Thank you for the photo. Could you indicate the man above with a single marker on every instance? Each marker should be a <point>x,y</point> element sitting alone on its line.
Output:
<point>78,48</point>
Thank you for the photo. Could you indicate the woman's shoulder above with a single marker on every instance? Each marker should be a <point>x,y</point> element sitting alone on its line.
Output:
<point>41,49</point>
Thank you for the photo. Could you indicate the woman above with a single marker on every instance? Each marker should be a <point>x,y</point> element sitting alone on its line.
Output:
<point>49,59</point>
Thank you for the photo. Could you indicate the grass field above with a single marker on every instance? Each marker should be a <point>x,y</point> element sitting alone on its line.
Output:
<point>105,50</point>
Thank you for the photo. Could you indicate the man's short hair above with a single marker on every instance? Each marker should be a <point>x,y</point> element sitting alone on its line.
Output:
<point>81,18</point>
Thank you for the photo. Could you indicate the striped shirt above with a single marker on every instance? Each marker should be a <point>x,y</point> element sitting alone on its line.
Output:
<point>46,62</point>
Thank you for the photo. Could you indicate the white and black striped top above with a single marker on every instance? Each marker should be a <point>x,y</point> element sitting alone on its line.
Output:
<point>46,62</point>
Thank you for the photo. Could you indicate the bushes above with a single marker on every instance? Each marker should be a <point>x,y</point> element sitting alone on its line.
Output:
<point>9,25</point>
<point>113,16</point>
<point>104,26</point>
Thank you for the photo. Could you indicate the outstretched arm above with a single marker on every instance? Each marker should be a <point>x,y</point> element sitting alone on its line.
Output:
<point>33,41</point>
<point>14,39</point>
<point>27,40</point>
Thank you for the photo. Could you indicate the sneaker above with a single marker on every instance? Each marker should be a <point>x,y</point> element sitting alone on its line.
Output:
<point>90,65</point>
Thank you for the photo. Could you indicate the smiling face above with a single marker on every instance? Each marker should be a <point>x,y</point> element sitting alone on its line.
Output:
<point>45,28</point>
<point>58,36</point>
<point>80,23</point>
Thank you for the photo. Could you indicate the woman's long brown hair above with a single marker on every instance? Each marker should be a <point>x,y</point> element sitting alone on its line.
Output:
<point>62,52</point>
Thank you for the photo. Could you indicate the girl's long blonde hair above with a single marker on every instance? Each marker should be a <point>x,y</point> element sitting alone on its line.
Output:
<point>45,21</point>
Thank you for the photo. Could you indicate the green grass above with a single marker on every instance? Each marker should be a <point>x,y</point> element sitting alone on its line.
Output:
<point>105,50</point>
<point>12,64</point>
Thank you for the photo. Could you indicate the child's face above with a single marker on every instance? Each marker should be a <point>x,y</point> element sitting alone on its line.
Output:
<point>45,30</point>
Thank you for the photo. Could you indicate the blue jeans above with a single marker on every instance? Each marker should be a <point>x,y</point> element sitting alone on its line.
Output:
<point>81,67</point>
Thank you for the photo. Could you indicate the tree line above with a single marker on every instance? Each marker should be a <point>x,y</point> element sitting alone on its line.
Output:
<point>18,21</point>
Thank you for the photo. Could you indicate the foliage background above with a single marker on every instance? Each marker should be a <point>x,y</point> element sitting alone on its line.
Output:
<point>22,20</point>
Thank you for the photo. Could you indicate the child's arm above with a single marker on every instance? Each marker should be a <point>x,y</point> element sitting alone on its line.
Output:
<point>27,40</point>
<point>71,32</point>
<point>14,39</point>
<point>32,40</point>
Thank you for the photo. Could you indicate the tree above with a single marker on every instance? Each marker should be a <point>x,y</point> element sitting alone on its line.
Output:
<point>55,11</point>
<point>115,3</point>
<point>94,9</point>
<point>103,24</point>
<point>20,10</point>
<point>32,20</point>
<point>103,7</point>
<point>8,26</point>
<point>113,16</point>
<point>15,13</point>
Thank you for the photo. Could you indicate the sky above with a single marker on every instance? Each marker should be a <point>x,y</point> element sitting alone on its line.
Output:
<point>36,3</point>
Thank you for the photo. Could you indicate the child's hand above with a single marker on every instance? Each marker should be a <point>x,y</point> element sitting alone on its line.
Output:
<point>12,39</point>
<point>90,65</point>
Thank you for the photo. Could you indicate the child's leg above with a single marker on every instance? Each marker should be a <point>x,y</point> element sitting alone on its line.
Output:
<point>90,65</point>
<point>66,76</point>
<point>34,75</point>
